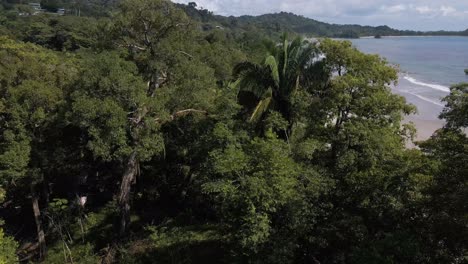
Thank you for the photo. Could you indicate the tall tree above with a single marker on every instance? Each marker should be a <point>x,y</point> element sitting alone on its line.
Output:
<point>149,30</point>
<point>142,28</point>
<point>456,107</point>
<point>447,218</point>
<point>354,133</point>
<point>359,96</point>
<point>154,34</point>
<point>33,87</point>
<point>111,105</point>
<point>272,84</point>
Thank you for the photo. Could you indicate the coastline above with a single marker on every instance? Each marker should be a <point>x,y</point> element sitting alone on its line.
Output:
<point>413,36</point>
<point>427,69</point>
<point>426,120</point>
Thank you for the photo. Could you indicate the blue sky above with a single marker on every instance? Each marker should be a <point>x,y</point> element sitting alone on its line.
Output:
<point>400,14</point>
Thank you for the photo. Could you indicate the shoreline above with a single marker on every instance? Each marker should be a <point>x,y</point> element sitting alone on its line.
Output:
<point>413,36</point>
<point>426,120</point>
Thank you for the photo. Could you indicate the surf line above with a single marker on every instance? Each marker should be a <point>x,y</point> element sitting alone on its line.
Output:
<point>427,99</point>
<point>433,86</point>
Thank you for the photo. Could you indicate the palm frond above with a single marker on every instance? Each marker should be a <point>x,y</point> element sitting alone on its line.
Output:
<point>307,56</point>
<point>270,62</point>
<point>296,44</point>
<point>251,84</point>
<point>252,78</point>
<point>296,86</point>
<point>261,108</point>
<point>270,47</point>
<point>286,54</point>
<point>243,67</point>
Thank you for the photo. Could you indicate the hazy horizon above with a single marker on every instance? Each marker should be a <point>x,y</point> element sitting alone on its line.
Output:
<point>420,15</point>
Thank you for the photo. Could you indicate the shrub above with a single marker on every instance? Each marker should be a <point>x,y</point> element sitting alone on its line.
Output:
<point>8,248</point>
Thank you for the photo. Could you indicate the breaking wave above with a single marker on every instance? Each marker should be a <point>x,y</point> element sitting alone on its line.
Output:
<point>430,85</point>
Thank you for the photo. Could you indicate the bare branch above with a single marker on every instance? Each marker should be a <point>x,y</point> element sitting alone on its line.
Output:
<point>187,54</point>
<point>188,111</point>
<point>133,46</point>
<point>182,113</point>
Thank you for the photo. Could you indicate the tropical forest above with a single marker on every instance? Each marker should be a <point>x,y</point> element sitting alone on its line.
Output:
<point>144,131</point>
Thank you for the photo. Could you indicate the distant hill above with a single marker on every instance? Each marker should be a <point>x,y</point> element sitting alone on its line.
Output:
<point>273,24</point>
<point>268,24</point>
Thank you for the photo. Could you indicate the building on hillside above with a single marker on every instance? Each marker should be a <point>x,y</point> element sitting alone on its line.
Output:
<point>36,7</point>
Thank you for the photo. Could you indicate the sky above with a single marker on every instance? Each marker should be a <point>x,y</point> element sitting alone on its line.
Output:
<point>399,14</point>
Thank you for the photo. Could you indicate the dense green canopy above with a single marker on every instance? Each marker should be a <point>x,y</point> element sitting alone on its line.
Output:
<point>143,135</point>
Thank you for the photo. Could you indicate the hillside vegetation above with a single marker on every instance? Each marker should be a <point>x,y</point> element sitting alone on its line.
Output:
<point>273,24</point>
<point>146,135</point>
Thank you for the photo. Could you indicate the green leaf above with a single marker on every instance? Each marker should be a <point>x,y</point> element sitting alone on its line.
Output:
<point>261,108</point>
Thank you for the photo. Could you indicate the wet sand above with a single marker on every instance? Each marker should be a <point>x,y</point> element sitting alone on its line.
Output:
<point>427,119</point>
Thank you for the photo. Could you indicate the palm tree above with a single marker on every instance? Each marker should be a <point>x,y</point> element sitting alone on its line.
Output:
<point>272,84</point>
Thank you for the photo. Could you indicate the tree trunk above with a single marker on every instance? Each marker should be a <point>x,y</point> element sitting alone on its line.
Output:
<point>37,218</point>
<point>128,178</point>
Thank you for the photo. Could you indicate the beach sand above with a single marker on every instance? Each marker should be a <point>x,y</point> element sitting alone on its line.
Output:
<point>425,128</point>
<point>427,119</point>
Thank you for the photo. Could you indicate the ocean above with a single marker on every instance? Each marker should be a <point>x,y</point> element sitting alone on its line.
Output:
<point>428,65</point>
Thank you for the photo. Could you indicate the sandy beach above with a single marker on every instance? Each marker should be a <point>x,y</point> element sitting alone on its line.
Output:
<point>425,128</point>
<point>428,67</point>
<point>427,119</point>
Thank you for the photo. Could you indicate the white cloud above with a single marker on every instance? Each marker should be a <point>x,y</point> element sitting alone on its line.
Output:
<point>394,8</point>
<point>402,14</point>
<point>424,9</point>
<point>447,10</point>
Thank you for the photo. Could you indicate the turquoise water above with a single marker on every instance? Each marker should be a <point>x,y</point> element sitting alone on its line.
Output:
<point>429,65</point>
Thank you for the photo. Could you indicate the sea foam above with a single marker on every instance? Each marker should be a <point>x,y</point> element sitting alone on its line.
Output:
<point>430,85</point>
<point>427,99</point>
